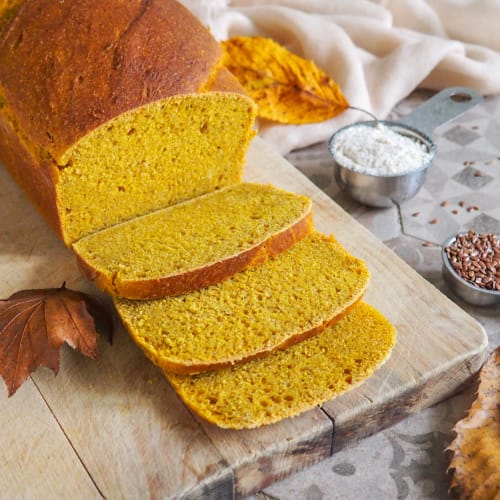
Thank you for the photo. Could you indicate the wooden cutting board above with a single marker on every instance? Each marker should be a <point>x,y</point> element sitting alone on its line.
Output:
<point>114,427</point>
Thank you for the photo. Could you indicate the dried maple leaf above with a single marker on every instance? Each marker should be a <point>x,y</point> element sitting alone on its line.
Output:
<point>475,465</point>
<point>34,324</point>
<point>286,87</point>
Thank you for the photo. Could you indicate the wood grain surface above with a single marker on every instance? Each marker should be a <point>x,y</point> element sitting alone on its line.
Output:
<point>114,427</point>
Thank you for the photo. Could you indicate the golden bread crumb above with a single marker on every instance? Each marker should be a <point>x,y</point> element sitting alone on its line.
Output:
<point>153,157</point>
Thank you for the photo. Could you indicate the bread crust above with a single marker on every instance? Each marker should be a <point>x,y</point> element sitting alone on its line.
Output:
<point>60,83</point>
<point>224,81</point>
<point>37,178</point>
<point>204,276</point>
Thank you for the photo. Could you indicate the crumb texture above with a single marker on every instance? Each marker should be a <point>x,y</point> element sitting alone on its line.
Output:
<point>154,157</point>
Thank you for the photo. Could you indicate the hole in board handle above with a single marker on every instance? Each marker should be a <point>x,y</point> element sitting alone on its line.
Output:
<point>461,97</point>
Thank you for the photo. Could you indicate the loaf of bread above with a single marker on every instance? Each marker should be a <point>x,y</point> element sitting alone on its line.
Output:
<point>196,243</point>
<point>110,110</point>
<point>282,301</point>
<point>292,380</point>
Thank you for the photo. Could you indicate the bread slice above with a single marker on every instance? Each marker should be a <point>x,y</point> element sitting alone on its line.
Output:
<point>196,243</point>
<point>284,300</point>
<point>292,380</point>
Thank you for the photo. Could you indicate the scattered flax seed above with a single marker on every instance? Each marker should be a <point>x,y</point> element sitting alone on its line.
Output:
<point>415,214</point>
<point>433,221</point>
<point>468,163</point>
<point>488,162</point>
<point>454,211</point>
<point>472,208</point>
<point>478,173</point>
<point>475,127</point>
<point>427,244</point>
<point>444,203</point>
<point>461,203</point>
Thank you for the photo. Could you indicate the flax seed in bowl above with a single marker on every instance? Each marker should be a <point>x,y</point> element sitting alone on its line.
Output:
<point>471,267</point>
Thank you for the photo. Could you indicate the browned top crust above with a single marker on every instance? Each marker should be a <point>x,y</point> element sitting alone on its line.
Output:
<point>61,83</point>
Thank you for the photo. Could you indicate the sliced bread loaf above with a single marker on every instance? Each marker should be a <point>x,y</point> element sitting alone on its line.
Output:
<point>284,300</point>
<point>196,243</point>
<point>292,380</point>
<point>110,110</point>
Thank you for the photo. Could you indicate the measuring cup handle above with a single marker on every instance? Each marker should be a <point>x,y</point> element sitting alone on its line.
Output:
<point>441,108</point>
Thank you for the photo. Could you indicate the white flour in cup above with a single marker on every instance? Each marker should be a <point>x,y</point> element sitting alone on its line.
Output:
<point>378,150</point>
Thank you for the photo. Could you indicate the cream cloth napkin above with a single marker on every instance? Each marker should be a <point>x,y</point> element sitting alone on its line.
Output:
<point>377,51</point>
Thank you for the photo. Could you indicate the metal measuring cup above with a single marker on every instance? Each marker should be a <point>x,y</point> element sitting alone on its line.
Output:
<point>379,190</point>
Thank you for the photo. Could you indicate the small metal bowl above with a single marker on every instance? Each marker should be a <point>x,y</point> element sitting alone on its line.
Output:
<point>462,288</point>
<point>385,190</point>
<point>378,190</point>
